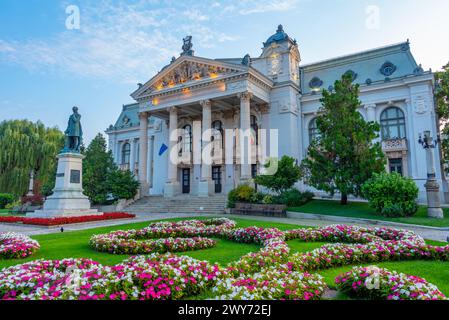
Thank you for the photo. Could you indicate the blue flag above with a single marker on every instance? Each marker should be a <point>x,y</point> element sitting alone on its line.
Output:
<point>163,149</point>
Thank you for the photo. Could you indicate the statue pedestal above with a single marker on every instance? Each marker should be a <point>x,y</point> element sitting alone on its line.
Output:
<point>68,199</point>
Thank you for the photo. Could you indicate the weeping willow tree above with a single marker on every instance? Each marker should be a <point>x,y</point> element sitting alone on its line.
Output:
<point>27,146</point>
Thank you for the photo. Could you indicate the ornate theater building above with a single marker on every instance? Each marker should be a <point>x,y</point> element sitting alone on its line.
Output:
<point>272,91</point>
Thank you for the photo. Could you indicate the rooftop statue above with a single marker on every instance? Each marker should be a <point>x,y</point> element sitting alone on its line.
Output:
<point>74,133</point>
<point>187,46</point>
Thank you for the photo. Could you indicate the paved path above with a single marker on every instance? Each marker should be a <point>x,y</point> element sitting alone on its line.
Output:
<point>430,234</point>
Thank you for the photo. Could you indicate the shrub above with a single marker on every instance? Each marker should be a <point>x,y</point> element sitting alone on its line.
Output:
<point>268,199</point>
<point>286,175</point>
<point>391,195</point>
<point>293,198</point>
<point>5,199</point>
<point>35,200</point>
<point>122,184</point>
<point>243,193</point>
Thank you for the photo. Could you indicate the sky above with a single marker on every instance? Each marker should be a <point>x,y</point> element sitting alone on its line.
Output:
<point>52,58</point>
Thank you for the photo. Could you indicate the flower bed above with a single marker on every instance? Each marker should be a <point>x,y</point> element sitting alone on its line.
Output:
<point>275,283</point>
<point>381,284</point>
<point>139,278</point>
<point>163,237</point>
<point>67,220</point>
<point>16,246</point>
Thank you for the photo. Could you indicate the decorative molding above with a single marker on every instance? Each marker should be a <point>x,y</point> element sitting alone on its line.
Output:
<point>206,103</point>
<point>245,96</point>
<point>172,110</point>
<point>394,145</point>
<point>388,68</point>
<point>315,83</point>
<point>420,106</point>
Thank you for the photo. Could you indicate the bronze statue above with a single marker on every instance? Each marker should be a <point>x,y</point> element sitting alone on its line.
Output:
<point>74,133</point>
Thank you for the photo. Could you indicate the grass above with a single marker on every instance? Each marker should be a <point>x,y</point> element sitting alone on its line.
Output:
<point>363,210</point>
<point>75,245</point>
<point>4,212</point>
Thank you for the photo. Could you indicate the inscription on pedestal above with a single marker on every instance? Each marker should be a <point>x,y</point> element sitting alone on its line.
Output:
<point>59,175</point>
<point>75,176</point>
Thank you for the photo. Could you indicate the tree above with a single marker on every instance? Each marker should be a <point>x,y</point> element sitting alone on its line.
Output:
<point>27,146</point>
<point>96,166</point>
<point>343,156</point>
<point>442,105</point>
<point>103,181</point>
<point>287,174</point>
<point>122,184</point>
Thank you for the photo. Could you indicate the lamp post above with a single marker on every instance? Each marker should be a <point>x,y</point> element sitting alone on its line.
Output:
<point>432,187</point>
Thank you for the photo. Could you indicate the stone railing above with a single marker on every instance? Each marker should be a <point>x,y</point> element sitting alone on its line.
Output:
<point>394,145</point>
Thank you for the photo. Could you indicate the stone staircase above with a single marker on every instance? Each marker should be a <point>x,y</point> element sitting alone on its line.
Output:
<point>179,204</point>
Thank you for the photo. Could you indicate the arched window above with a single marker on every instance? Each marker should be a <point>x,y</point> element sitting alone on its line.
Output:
<point>392,123</point>
<point>254,128</point>
<point>186,139</point>
<point>126,153</point>
<point>313,130</point>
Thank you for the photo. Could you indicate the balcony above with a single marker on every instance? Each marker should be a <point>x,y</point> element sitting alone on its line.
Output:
<point>394,145</point>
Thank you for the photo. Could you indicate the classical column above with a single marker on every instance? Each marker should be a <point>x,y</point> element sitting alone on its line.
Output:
<point>370,112</point>
<point>150,166</point>
<point>205,185</point>
<point>118,153</point>
<point>245,166</point>
<point>132,156</point>
<point>172,184</point>
<point>143,146</point>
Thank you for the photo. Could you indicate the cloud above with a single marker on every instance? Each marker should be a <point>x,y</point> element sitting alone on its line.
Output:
<point>251,7</point>
<point>125,42</point>
<point>130,41</point>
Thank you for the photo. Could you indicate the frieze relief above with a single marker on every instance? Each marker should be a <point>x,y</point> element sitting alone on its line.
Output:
<point>189,71</point>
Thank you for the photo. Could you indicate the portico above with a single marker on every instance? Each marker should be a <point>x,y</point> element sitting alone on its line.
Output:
<point>187,171</point>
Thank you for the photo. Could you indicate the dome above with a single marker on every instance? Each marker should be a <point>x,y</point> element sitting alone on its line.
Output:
<point>279,36</point>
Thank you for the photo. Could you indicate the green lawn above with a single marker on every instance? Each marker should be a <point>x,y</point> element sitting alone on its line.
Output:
<point>4,212</point>
<point>362,210</point>
<point>75,244</point>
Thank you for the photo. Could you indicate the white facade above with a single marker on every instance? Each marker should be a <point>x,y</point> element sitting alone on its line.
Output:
<point>273,91</point>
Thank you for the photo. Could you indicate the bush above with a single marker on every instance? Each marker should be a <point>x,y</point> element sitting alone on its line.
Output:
<point>35,200</point>
<point>243,193</point>
<point>293,198</point>
<point>122,184</point>
<point>5,199</point>
<point>286,175</point>
<point>391,195</point>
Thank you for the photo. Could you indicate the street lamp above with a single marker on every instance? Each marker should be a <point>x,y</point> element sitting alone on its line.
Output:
<point>432,187</point>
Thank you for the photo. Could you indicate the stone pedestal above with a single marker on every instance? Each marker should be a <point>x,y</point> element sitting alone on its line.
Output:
<point>68,199</point>
<point>433,199</point>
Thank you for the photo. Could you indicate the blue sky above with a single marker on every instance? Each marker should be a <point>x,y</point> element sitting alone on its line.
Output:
<point>46,68</point>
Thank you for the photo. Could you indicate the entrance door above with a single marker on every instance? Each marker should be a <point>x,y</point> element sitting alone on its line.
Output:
<point>216,177</point>
<point>185,180</point>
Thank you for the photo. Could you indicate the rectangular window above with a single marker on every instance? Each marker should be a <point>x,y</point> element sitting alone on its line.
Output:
<point>396,165</point>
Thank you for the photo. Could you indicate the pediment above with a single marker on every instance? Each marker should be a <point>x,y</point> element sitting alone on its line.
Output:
<point>185,71</point>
